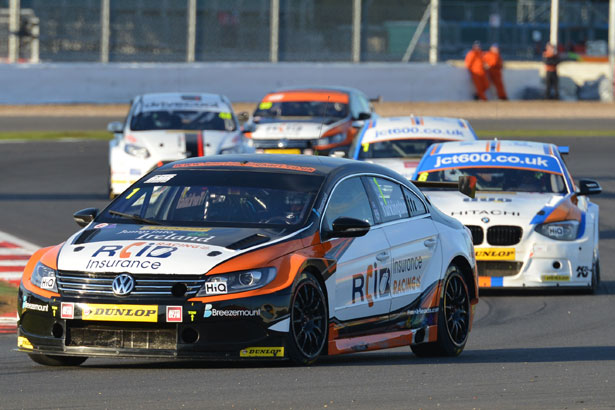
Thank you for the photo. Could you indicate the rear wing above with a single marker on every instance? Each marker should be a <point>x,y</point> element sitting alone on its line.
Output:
<point>563,149</point>
<point>466,185</point>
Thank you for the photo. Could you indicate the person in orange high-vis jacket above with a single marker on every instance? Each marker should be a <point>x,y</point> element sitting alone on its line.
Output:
<point>493,60</point>
<point>476,66</point>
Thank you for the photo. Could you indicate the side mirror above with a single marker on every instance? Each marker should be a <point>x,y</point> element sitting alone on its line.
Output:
<point>589,187</point>
<point>243,116</point>
<point>347,228</point>
<point>85,216</point>
<point>364,116</point>
<point>115,127</point>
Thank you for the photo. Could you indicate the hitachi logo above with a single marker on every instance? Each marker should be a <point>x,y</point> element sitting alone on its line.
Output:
<point>483,212</point>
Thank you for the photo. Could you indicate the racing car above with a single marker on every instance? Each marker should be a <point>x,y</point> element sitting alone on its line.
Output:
<point>532,226</point>
<point>308,120</point>
<point>253,256</point>
<point>165,127</point>
<point>400,142</point>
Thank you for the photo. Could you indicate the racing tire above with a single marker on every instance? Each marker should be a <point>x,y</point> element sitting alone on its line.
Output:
<point>309,318</point>
<point>49,360</point>
<point>453,318</point>
<point>595,277</point>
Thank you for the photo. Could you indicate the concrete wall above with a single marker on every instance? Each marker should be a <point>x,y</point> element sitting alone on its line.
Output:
<point>117,83</point>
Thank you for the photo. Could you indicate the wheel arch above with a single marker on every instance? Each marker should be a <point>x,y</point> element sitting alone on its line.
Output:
<point>468,275</point>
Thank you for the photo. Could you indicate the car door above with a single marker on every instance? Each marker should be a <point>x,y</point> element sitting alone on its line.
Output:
<point>412,237</point>
<point>361,285</point>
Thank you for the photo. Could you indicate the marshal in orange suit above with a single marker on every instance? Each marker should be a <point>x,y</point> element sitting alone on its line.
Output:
<point>493,60</point>
<point>476,65</point>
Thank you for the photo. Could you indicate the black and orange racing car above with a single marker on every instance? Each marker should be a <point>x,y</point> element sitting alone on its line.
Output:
<point>320,120</point>
<point>253,256</point>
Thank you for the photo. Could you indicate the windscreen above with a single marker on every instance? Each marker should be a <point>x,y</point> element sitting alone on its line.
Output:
<point>268,109</point>
<point>182,120</point>
<point>502,179</point>
<point>401,148</point>
<point>217,198</point>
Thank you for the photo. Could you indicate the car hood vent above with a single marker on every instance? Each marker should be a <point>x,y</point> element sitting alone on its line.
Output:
<point>249,241</point>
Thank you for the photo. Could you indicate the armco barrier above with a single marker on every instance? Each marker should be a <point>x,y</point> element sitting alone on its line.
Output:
<point>49,83</point>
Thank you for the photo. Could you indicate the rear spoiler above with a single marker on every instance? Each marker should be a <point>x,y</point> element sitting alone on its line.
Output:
<point>563,149</point>
<point>466,185</point>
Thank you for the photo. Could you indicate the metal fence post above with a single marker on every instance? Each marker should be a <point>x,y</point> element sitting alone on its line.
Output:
<point>14,20</point>
<point>611,49</point>
<point>434,31</point>
<point>274,31</point>
<point>105,31</point>
<point>356,31</point>
<point>191,41</point>
<point>554,22</point>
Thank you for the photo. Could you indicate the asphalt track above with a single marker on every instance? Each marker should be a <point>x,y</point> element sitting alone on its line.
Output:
<point>542,351</point>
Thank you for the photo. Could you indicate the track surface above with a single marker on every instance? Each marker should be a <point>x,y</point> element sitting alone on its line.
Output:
<point>526,351</point>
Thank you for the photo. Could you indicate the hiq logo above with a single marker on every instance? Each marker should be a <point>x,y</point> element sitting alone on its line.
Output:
<point>216,288</point>
<point>147,251</point>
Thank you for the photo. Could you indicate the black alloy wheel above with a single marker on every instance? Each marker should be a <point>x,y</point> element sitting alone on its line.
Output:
<point>453,318</point>
<point>308,320</point>
<point>457,309</point>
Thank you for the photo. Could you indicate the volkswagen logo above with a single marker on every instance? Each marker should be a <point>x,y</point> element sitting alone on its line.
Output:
<point>485,219</point>
<point>123,284</point>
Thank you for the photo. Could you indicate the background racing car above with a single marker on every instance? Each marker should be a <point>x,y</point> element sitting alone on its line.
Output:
<point>308,120</point>
<point>253,256</point>
<point>165,127</point>
<point>531,225</point>
<point>400,142</point>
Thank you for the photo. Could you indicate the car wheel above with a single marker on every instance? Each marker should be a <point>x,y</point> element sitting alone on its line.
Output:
<point>453,318</point>
<point>595,277</point>
<point>49,360</point>
<point>308,321</point>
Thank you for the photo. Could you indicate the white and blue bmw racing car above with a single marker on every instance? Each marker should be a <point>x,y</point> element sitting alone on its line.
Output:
<point>399,143</point>
<point>531,225</point>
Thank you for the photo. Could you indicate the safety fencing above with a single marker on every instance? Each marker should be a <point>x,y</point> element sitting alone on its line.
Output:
<point>290,30</point>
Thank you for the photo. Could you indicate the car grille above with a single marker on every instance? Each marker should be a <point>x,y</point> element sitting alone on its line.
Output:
<point>504,235</point>
<point>477,234</point>
<point>99,284</point>
<point>498,268</point>
<point>274,143</point>
<point>121,336</point>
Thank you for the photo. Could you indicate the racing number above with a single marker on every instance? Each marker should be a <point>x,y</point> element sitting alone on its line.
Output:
<point>583,271</point>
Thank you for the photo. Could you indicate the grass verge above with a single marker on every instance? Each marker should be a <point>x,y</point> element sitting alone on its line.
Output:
<point>512,134</point>
<point>8,298</point>
<point>54,135</point>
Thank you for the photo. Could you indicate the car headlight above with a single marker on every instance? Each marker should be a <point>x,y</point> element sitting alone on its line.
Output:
<point>562,231</point>
<point>44,277</point>
<point>136,151</point>
<point>332,139</point>
<point>237,281</point>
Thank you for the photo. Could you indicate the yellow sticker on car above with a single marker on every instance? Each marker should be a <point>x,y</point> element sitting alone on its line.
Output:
<point>494,254</point>
<point>555,278</point>
<point>265,105</point>
<point>282,151</point>
<point>225,115</point>
<point>119,313</point>
<point>262,352</point>
<point>24,343</point>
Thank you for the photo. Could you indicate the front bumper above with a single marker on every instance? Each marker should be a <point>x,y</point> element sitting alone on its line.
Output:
<point>254,327</point>
<point>539,262</point>
<point>296,146</point>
